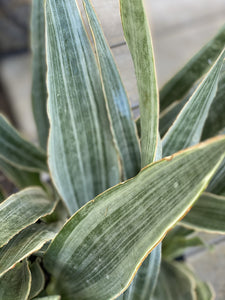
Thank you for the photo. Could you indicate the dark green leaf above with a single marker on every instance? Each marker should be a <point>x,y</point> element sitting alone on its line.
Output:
<point>39,91</point>
<point>19,177</point>
<point>15,284</point>
<point>19,152</point>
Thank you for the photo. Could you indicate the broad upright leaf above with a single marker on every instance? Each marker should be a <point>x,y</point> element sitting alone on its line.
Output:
<point>207,214</point>
<point>99,250</point>
<point>15,284</point>
<point>37,279</point>
<point>24,244</point>
<point>22,209</point>
<point>138,37</point>
<point>116,98</point>
<point>174,283</point>
<point>39,91</point>
<point>179,85</point>
<point>187,128</point>
<point>19,152</point>
<point>82,156</point>
<point>20,178</point>
<point>144,282</point>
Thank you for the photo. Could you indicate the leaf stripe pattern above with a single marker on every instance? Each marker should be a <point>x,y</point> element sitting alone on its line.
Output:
<point>116,99</point>
<point>22,209</point>
<point>82,156</point>
<point>137,34</point>
<point>187,128</point>
<point>101,247</point>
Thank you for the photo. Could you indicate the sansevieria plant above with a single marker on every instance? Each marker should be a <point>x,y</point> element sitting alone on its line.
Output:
<point>108,204</point>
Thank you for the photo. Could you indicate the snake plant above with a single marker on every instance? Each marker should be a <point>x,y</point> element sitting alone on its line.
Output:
<point>105,204</point>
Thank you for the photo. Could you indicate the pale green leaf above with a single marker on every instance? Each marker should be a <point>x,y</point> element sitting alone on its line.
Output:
<point>116,98</point>
<point>39,90</point>
<point>100,248</point>
<point>138,37</point>
<point>23,245</point>
<point>19,177</point>
<point>207,214</point>
<point>187,128</point>
<point>174,283</point>
<point>176,88</point>
<point>15,284</point>
<point>82,156</point>
<point>37,279</point>
<point>22,209</point>
<point>144,283</point>
<point>204,291</point>
<point>18,151</point>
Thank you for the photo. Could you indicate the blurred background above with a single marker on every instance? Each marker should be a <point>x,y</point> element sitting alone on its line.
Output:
<point>179,29</point>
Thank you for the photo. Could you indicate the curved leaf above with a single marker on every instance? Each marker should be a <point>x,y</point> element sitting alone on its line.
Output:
<point>15,284</point>
<point>39,90</point>
<point>21,210</point>
<point>101,247</point>
<point>82,156</point>
<point>37,279</point>
<point>207,214</point>
<point>19,177</point>
<point>19,152</point>
<point>187,128</point>
<point>138,37</point>
<point>178,86</point>
<point>24,244</point>
<point>117,101</point>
